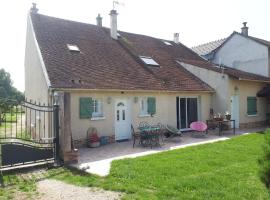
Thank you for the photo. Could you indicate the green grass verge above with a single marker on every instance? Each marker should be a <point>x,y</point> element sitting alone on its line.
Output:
<point>225,170</point>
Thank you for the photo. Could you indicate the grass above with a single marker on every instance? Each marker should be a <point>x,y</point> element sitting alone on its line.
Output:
<point>15,186</point>
<point>225,170</point>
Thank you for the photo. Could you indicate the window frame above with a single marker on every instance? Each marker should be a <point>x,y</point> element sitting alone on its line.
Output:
<point>143,107</point>
<point>97,108</point>
<point>252,99</point>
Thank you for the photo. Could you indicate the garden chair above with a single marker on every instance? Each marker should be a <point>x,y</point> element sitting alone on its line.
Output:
<point>199,127</point>
<point>135,135</point>
<point>173,132</point>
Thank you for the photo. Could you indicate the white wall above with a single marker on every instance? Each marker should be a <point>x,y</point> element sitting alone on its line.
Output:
<point>220,100</point>
<point>36,88</point>
<point>244,54</point>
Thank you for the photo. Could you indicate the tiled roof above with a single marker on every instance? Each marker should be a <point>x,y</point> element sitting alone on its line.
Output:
<point>207,48</point>
<point>234,73</point>
<point>105,63</point>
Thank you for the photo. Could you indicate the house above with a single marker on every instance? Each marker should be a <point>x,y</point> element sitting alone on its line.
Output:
<point>240,51</point>
<point>110,78</point>
<point>240,71</point>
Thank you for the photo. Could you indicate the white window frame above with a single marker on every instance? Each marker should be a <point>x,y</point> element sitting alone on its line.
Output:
<point>97,108</point>
<point>144,107</point>
<point>149,61</point>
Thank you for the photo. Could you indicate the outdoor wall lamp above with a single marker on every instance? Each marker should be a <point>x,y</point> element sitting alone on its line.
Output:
<point>236,89</point>
<point>56,98</point>
<point>109,100</point>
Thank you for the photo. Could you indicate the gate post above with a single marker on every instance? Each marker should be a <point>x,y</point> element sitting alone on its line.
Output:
<point>56,131</point>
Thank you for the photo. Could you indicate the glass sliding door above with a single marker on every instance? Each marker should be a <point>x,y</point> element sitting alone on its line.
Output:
<point>187,111</point>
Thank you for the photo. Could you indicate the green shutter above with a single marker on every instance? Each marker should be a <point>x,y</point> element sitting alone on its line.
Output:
<point>86,107</point>
<point>151,105</point>
<point>251,105</point>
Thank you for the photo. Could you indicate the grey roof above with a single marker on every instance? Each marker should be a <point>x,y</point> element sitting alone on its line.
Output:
<point>207,48</point>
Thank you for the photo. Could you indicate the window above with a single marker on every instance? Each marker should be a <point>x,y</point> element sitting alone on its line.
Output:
<point>167,43</point>
<point>73,47</point>
<point>143,105</point>
<point>148,106</point>
<point>97,108</point>
<point>149,61</point>
<point>90,108</point>
<point>251,105</point>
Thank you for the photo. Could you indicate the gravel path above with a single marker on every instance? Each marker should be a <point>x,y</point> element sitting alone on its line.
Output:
<point>57,190</point>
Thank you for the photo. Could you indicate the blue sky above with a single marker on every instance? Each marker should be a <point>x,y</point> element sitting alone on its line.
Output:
<point>197,21</point>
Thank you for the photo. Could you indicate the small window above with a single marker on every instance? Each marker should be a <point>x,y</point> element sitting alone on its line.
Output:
<point>149,61</point>
<point>251,105</point>
<point>148,106</point>
<point>143,106</point>
<point>97,108</point>
<point>167,43</point>
<point>73,47</point>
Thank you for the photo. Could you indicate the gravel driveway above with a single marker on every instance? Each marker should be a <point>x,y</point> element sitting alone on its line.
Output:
<point>57,190</point>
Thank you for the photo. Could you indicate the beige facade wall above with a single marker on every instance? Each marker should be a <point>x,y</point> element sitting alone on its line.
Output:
<point>165,110</point>
<point>36,87</point>
<point>220,100</point>
<point>246,89</point>
<point>225,88</point>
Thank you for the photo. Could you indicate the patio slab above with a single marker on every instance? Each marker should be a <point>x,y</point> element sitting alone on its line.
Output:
<point>98,160</point>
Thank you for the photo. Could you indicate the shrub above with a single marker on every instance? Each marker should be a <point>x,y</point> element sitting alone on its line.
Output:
<point>264,161</point>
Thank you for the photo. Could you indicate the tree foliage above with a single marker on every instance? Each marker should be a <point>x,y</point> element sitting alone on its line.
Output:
<point>7,92</point>
<point>264,161</point>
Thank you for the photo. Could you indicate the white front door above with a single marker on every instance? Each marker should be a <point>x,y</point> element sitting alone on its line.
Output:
<point>235,109</point>
<point>122,120</point>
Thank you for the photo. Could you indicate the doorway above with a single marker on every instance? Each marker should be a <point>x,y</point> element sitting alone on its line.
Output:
<point>122,120</point>
<point>186,111</point>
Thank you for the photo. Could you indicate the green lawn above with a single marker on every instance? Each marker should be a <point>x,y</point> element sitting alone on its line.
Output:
<point>223,170</point>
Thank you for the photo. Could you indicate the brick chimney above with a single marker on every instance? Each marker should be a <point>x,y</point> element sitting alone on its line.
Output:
<point>176,38</point>
<point>113,15</point>
<point>99,20</point>
<point>34,8</point>
<point>244,29</point>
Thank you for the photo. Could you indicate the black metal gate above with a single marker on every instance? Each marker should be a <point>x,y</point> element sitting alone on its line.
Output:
<point>29,133</point>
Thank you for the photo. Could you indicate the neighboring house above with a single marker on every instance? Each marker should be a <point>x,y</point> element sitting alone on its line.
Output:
<point>239,51</point>
<point>241,71</point>
<point>114,79</point>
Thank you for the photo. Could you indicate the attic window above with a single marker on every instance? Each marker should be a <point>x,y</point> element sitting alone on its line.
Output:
<point>167,43</point>
<point>73,47</point>
<point>149,61</point>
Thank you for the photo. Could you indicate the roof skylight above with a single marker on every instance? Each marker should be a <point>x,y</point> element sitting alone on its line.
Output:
<point>73,47</point>
<point>167,43</point>
<point>149,61</point>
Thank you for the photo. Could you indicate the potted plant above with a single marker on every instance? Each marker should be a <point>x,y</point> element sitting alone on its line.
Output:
<point>228,115</point>
<point>92,138</point>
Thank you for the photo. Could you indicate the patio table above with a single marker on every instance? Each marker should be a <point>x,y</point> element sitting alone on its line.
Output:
<point>220,125</point>
<point>150,135</point>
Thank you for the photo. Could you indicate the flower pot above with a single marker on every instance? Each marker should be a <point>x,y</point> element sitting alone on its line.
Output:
<point>94,144</point>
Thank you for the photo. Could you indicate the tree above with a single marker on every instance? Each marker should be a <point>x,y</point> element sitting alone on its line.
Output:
<point>7,91</point>
<point>264,161</point>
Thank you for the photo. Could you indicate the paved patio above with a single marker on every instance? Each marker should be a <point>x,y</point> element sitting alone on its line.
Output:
<point>98,160</point>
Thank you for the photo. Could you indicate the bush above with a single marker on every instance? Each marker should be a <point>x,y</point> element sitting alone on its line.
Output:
<point>265,161</point>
